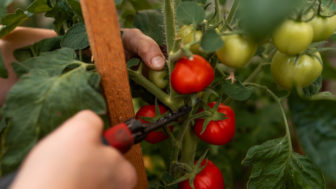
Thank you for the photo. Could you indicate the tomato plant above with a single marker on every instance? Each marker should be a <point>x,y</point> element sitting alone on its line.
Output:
<point>191,75</point>
<point>236,51</point>
<point>301,71</point>
<point>209,178</point>
<point>270,45</point>
<point>290,31</point>
<point>148,111</point>
<point>323,28</point>
<point>217,132</point>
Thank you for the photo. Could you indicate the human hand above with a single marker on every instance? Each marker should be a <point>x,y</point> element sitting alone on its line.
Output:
<point>137,43</point>
<point>73,157</point>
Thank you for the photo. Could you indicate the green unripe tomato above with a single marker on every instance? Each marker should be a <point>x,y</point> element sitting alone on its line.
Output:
<point>186,33</point>
<point>158,78</point>
<point>293,37</point>
<point>236,51</point>
<point>287,73</point>
<point>323,27</point>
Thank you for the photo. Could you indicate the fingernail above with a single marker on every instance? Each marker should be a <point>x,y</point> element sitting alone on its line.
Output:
<point>158,62</point>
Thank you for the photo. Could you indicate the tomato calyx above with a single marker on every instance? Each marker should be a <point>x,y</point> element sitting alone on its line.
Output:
<point>194,170</point>
<point>209,114</point>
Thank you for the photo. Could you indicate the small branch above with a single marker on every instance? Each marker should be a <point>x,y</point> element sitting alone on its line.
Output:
<point>277,99</point>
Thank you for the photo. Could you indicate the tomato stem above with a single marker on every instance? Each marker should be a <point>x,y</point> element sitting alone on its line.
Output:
<point>189,146</point>
<point>278,100</point>
<point>169,20</point>
<point>152,88</point>
<point>232,12</point>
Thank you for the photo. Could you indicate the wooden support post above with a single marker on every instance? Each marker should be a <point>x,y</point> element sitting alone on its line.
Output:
<point>102,27</point>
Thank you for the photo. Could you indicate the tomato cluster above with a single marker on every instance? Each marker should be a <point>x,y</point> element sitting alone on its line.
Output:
<point>294,64</point>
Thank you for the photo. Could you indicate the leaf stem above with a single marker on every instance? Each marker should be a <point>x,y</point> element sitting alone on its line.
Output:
<point>277,99</point>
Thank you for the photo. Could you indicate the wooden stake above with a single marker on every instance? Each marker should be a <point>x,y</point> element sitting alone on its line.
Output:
<point>102,27</point>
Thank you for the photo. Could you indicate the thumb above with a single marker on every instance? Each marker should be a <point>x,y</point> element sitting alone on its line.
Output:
<point>137,43</point>
<point>86,124</point>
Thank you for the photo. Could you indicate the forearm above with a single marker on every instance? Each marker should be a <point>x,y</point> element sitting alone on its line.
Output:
<point>20,37</point>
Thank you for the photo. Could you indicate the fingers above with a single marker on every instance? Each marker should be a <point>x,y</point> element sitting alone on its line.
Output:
<point>86,124</point>
<point>137,43</point>
<point>123,174</point>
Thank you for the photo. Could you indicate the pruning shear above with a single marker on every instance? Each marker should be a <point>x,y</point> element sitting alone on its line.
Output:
<point>123,135</point>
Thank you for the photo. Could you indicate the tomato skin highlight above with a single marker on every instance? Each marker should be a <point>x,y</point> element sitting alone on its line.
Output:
<point>236,50</point>
<point>217,132</point>
<point>323,27</point>
<point>293,37</point>
<point>149,111</point>
<point>209,178</point>
<point>288,74</point>
<point>191,75</point>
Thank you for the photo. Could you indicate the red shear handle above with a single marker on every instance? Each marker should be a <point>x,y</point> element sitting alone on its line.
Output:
<point>120,137</point>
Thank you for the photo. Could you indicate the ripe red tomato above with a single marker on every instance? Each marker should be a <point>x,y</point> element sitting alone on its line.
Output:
<point>209,178</point>
<point>191,75</point>
<point>217,132</point>
<point>149,111</point>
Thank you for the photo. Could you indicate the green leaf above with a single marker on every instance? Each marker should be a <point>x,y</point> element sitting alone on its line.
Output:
<point>3,7</point>
<point>52,62</point>
<point>150,23</point>
<point>76,37</point>
<point>236,91</point>
<point>62,13</point>
<point>260,17</point>
<point>190,13</point>
<point>36,49</point>
<point>313,88</point>
<point>118,2</point>
<point>315,123</point>
<point>327,8</point>
<point>211,41</point>
<point>11,21</point>
<point>3,69</point>
<point>275,166</point>
<point>75,6</point>
<point>39,6</point>
<point>133,62</point>
<point>39,102</point>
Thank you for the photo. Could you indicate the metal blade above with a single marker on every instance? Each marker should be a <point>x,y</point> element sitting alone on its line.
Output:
<point>166,119</point>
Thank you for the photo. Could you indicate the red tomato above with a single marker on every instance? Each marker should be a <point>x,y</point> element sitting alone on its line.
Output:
<point>149,111</point>
<point>209,178</point>
<point>217,132</point>
<point>191,75</point>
